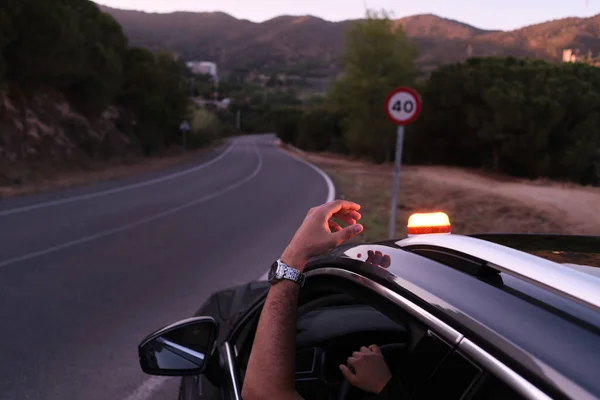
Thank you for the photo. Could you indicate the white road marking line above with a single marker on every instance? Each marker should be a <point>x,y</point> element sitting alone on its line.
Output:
<point>115,190</point>
<point>328,181</point>
<point>147,389</point>
<point>163,214</point>
<point>330,191</point>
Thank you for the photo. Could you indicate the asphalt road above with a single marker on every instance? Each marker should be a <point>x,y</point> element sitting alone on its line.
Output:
<point>86,273</point>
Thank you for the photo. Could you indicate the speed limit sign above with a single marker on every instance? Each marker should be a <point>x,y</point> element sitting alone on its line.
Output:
<point>403,106</point>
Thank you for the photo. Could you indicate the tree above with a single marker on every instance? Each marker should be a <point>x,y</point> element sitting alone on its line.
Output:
<point>523,117</point>
<point>5,34</point>
<point>377,58</point>
<point>318,130</point>
<point>47,47</point>
<point>155,90</point>
<point>101,76</point>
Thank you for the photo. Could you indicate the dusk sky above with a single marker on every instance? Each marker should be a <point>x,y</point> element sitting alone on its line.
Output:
<point>487,14</point>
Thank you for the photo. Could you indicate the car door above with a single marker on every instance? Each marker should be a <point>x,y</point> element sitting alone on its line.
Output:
<point>460,378</point>
<point>444,363</point>
<point>225,385</point>
<point>319,292</point>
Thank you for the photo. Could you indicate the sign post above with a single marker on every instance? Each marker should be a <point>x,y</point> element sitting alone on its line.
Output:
<point>403,106</point>
<point>184,128</point>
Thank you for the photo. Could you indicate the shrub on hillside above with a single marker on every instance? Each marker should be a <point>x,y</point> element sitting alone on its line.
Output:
<point>319,130</point>
<point>286,121</point>
<point>526,118</point>
<point>205,128</point>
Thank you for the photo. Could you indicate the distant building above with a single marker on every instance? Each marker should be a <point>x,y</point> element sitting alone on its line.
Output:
<point>204,68</point>
<point>570,56</point>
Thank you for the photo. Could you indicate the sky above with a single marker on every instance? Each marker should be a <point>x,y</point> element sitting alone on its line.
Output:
<point>486,14</point>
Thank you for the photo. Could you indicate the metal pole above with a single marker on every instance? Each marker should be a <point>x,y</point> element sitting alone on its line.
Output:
<point>184,139</point>
<point>397,164</point>
<point>239,121</point>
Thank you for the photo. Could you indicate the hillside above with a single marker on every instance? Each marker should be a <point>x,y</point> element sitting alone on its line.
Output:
<point>313,46</point>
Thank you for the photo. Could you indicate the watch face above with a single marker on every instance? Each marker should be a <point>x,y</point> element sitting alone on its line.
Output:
<point>273,271</point>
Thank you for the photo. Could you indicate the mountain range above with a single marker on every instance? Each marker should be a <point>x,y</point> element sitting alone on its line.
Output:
<point>311,46</point>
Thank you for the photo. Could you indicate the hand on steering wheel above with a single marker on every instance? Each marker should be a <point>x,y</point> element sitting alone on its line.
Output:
<point>367,370</point>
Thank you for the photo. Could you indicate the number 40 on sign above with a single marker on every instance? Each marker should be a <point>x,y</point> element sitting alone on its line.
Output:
<point>403,106</point>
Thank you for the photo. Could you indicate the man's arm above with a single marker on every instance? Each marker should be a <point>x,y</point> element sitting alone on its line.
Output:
<point>270,372</point>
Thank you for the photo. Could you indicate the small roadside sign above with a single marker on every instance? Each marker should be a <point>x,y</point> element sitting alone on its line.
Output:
<point>185,126</point>
<point>402,107</point>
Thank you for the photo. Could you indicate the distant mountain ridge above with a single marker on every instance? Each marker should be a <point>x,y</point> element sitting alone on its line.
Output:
<point>312,46</point>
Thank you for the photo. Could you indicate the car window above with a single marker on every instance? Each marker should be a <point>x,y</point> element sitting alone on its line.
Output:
<point>459,378</point>
<point>491,388</point>
<point>429,352</point>
<point>454,377</point>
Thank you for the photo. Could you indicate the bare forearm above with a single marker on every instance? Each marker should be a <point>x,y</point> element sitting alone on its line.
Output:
<point>270,373</point>
<point>271,365</point>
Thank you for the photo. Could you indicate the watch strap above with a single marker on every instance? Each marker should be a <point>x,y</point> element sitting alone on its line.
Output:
<point>290,273</point>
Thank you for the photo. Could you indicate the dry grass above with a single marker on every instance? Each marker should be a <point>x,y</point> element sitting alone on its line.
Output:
<point>474,202</point>
<point>30,179</point>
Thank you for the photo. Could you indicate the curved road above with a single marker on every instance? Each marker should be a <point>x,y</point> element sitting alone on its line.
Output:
<point>86,273</point>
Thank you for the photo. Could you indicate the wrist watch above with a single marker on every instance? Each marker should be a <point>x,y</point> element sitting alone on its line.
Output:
<point>280,271</point>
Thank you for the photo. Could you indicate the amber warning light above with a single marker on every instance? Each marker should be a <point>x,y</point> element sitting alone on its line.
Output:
<point>426,224</point>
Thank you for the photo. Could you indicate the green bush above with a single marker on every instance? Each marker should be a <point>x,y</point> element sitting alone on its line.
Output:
<point>150,138</point>
<point>205,128</point>
<point>521,117</point>
<point>286,121</point>
<point>73,47</point>
<point>154,92</point>
<point>319,130</point>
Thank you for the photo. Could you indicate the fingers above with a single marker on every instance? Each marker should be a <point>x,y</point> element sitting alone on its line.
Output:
<point>333,226</point>
<point>336,206</point>
<point>378,259</point>
<point>352,361</point>
<point>375,349</point>
<point>347,233</point>
<point>348,213</point>
<point>345,219</point>
<point>387,261</point>
<point>350,377</point>
<point>349,217</point>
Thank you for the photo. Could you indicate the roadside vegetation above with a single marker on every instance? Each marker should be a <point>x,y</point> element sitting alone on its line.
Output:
<point>71,47</point>
<point>526,118</point>
<point>77,99</point>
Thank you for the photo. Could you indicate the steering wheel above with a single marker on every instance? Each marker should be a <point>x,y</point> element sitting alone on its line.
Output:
<point>393,355</point>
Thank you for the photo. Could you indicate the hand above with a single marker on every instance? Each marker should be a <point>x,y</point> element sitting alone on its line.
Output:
<point>318,233</point>
<point>378,259</point>
<point>371,372</point>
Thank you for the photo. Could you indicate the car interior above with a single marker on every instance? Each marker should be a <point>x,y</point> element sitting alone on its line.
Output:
<point>340,317</point>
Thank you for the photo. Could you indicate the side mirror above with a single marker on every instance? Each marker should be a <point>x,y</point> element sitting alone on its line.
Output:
<point>180,349</point>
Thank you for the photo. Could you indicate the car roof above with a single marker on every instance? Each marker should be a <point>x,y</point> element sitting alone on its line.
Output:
<point>545,334</point>
<point>579,252</point>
